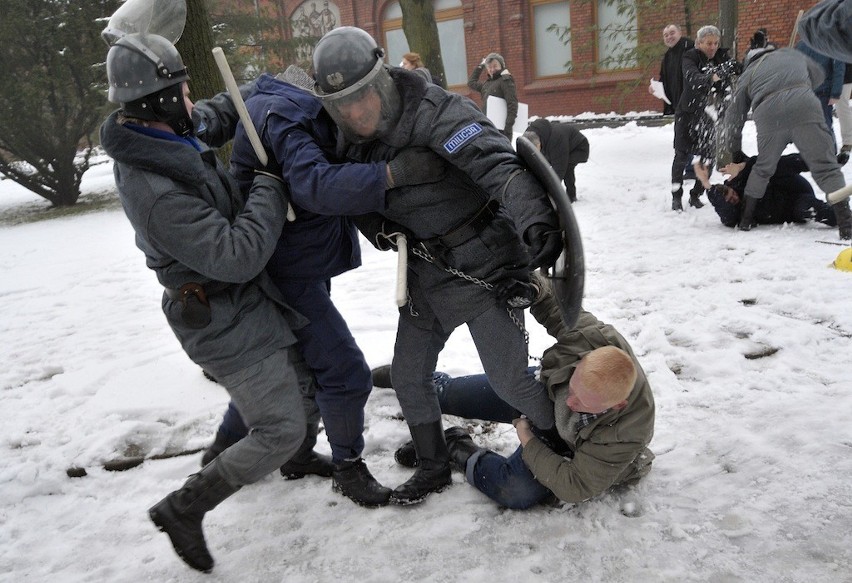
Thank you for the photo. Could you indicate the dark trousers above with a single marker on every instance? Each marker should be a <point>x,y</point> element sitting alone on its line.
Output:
<point>570,186</point>
<point>343,376</point>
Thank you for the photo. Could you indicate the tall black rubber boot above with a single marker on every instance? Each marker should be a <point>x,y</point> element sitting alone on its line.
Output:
<point>433,473</point>
<point>844,219</point>
<point>179,514</point>
<point>306,461</point>
<point>747,216</point>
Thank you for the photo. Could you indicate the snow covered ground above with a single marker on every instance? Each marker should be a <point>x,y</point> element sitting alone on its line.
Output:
<point>754,454</point>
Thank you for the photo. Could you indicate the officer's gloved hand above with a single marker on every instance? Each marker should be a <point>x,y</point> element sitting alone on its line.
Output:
<point>415,165</point>
<point>516,293</point>
<point>386,238</point>
<point>545,244</point>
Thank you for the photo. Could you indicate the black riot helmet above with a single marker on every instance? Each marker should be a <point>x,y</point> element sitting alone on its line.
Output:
<point>354,85</point>
<point>146,75</point>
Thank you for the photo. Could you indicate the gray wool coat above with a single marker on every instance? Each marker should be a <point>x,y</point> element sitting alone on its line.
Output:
<point>481,166</point>
<point>193,226</point>
<point>778,86</point>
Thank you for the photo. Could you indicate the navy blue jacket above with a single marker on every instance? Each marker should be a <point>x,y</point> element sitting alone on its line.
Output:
<point>788,199</point>
<point>300,139</point>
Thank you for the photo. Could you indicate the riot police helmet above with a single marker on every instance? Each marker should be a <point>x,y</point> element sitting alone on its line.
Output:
<point>354,84</point>
<point>146,75</point>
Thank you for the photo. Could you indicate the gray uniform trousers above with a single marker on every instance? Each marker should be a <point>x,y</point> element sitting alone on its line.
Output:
<point>275,399</point>
<point>811,138</point>
<point>502,351</point>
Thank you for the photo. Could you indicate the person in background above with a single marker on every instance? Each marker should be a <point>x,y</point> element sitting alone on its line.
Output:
<point>671,71</point>
<point>413,62</point>
<point>694,131</point>
<point>789,196</point>
<point>844,115</point>
<point>671,75</point>
<point>563,145</point>
<point>777,85</point>
<point>604,410</point>
<point>499,83</point>
<point>830,89</point>
<point>827,27</point>
<point>208,247</point>
<point>474,234</point>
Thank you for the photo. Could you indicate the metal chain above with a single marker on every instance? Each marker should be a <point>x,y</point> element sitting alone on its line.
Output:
<point>426,256</point>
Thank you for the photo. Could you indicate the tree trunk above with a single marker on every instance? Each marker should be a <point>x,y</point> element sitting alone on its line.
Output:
<point>728,25</point>
<point>195,47</point>
<point>421,32</point>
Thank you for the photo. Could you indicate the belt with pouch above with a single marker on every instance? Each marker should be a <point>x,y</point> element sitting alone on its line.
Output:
<point>195,310</point>
<point>467,230</point>
<point>200,290</point>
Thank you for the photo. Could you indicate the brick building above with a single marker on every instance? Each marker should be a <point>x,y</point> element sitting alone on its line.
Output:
<point>590,73</point>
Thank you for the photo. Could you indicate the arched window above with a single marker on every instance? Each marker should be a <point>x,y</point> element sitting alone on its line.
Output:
<point>450,18</point>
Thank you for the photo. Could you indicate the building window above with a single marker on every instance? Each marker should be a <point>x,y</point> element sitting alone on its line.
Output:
<point>617,34</point>
<point>450,19</point>
<point>551,38</point>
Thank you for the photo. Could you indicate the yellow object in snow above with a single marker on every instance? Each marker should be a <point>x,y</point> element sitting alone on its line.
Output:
<point>843,261</point>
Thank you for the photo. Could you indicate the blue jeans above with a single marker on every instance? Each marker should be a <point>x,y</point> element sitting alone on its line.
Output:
<point>506,480</point>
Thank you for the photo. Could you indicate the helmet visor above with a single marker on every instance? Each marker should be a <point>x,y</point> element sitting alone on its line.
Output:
<point>368,108</point>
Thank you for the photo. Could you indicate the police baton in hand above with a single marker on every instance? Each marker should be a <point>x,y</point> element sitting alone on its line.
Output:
<point>237,98</point>
<point>401,270</point>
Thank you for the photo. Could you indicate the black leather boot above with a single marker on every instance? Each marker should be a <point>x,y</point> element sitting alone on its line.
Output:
<point>677,200</point>
<point>354,480</point>
<point>406,455</point>
<point>180,513</point>
<point>694,194</point>
<point>844,219</point>
<point>460,446</point>
<point>433,473</point>
<point>306,461</point>
<point>382,376</point>
<point>747,216</point>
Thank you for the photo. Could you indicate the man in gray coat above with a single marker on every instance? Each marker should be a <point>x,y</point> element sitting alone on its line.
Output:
<point>208,247</point>
<point>604,411</point>
<point>827,27</point>
<point>474,233</point>
<point>778,86</point>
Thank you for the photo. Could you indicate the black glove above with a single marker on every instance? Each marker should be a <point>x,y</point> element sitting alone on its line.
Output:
<point>415,166</point>
<point>515,293</point>
<point>545,244</point>
<point>552,439</point>
<point>386,238</point>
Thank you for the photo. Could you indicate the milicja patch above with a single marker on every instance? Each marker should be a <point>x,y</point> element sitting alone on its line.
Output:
<point>462,137</point>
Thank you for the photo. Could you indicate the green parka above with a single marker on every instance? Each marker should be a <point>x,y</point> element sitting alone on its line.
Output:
<point>612,449</point>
